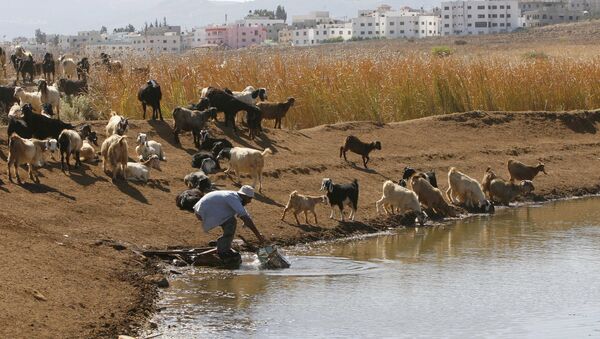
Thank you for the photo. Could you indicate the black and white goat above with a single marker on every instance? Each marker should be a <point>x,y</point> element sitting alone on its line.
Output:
<point>48,67</point>
<point>340,195</point>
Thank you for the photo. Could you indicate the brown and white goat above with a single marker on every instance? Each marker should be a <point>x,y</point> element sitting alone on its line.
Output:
<point>25,151</point>
<point>114,154</point>
<point>354,144</point>
<point>303,203</point>
<point>276,110</point>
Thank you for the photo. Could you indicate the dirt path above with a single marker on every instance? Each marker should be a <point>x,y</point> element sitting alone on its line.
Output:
<point>51,232</point>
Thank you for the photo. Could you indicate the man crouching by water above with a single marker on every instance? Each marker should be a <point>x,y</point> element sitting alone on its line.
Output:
<point>220,208</point>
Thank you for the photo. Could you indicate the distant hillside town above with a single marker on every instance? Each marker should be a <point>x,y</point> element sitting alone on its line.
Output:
<point>263,27</point>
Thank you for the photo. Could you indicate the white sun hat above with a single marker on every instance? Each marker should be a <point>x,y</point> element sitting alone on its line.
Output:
<point>247,191</point>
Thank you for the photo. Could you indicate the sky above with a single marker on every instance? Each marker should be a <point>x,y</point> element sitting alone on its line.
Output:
<point>21,18</point>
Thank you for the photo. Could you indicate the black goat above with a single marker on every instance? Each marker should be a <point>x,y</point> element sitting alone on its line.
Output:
<point>16,125</point>
<point>42,127</point>
<point>353,144</point>
<point>73,87</point>
<point>254,119</point>
<point>48,67</point>
<point>83,68</point>
<point>7,98</point>
<point>25,66</point>
<point>208,144</point>
<point>219,146</point>
<point>338,195</point>
<point>150,94</point>
<point>409,172</point>
<point>202,105</point>
<point>188,198</point>
<point>228,104</point>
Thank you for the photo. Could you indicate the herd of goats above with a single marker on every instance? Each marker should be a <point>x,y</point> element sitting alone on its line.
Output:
<point>34,130</point>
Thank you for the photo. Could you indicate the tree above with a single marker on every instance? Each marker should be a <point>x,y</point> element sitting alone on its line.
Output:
<point>280,13</point>
<point>40,37</point>
<point>165,21</point>
<point>103,30</point>
<point>156,23</point>
<point>261,13</point>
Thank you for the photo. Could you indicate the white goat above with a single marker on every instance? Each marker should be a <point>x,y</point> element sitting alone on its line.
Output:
<point>25,151</point>
<point>464,190</point>
<point>69,67</point>
<point>16,111</point>
<point>250,95</point>
<point>35,98</point>
<point>401,198</point>
<point>146,148</point>
<point>87,152</point>
<point>303,203</point>
<point>246,160</point>
<point>117,124</point>
<point>50,95</point>
<point>114,154</point>
<point>137,171</point>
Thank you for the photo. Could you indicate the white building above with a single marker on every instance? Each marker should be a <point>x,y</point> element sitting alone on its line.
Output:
<point>321,34</point>
<point>479,17</point>
<point>113,48</point>
<point>312,19</point>
<point>386,23</point>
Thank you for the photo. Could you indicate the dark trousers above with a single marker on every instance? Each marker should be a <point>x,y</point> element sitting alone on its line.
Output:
<point>224,242</point>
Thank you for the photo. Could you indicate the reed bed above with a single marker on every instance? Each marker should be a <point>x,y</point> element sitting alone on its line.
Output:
<point>334,84</point>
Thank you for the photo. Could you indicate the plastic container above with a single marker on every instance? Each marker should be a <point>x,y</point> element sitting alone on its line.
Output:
<point>270,258</point>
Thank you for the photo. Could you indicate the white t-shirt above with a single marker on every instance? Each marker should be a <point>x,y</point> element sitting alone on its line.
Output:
<point>217,207</point>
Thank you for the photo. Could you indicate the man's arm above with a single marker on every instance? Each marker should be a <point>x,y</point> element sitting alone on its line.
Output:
<point>250,224</point>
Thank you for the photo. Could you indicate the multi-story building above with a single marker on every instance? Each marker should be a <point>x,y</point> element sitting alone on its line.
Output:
<point>321,33</point>
<point>285,36</point>
<point>272,26</point>
<point>216,35</point>
<point>113,48</point>
<point>547,12</point>
<point>312,19</point>
<point>241,36</point>
<point>479,17</point>
<point>386,23</point>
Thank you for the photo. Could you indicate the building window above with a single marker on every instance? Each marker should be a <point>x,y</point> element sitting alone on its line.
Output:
<point>391,32</point>
<point>164,41</point>
<point>362,24</point>
<point>370,32</point>
<point>446,16</point>
<point>401,31</point>
<point>446,25</point>
<point>480,7</point>
<point>469,16</point>
<point>508,15</point>
<point>507,6</point>
<point>481,16</point>
<point>446,8</point>
<point>468,7</point>
<point>481,24</point>
<point>370,24</point>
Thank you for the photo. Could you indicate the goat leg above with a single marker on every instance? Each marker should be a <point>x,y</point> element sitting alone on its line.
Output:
<point>160,113</point>
<point>306,218</point>
<point>284,212</point>
<point>365,160</point>
<point>315,214</point>
<point>296,216</point>
<point>144,108</point>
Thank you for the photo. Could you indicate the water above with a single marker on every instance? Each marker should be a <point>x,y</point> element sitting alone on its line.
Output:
<point>527,272</point>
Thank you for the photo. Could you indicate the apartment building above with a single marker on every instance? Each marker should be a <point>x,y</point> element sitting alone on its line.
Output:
<point>390,24</point>
<point>479,17</point>
<point>272,26</point>
<point>241,36</point>
<point>320,34</point>
<point>536,13</point>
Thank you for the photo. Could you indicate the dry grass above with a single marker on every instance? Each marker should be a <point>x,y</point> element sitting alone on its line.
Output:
<point>383,81</point>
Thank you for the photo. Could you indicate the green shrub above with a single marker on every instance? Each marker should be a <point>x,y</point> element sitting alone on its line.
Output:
<point>78,109</point>
<point>441,51</point>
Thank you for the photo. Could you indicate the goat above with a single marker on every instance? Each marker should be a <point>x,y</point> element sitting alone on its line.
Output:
<point>197,180</point>
<point>72,87</point>
<point>431,197</point>
<point>228,104</point>
<point>150,94</point>
<point>504,192</point>
<point>409,172</point>
<point>16,111</point>
<point>340,195</point>
<point>48,67</point>
<point>117,124</point>
<point>69,67</point>
<point>488,176</point>
<point>353,144</point>
<point>206,161</point>
<point>19,127</point>
<point>87,152</point>
<point>70,143</point>
<point>189,120</point>
<point>250,95</point>
<point>245,160</point>
<point>147,148</point>
<point>24,65</point>
<point>83,68</point>
<point>275,110</point>
<point>43,127</point>
<point>141,171</point>
<point>25,151</point>
<point>466,191</point>
<point>114,154</point>
<point>49,95</point>
<point>520,171</point>
<point>47,110</point>
<point>303,203</point>
<point>33,98</point>
<point>7,98</point>
<point>402,199</point>
<point>208,143</point>
<point>188,198</point>
<point>3,60</point>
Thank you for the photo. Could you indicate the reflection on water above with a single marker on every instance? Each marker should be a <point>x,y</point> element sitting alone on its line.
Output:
<point>524,272</point>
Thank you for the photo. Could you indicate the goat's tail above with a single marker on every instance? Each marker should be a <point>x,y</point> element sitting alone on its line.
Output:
<point>267,151</point>
<point>341,150</point>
